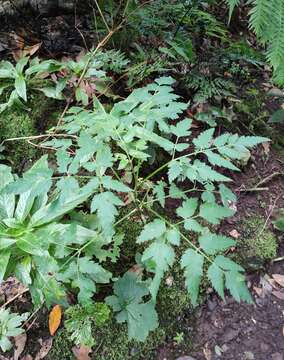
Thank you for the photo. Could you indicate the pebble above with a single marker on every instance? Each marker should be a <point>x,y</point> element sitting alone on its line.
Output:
<point>276,356</point>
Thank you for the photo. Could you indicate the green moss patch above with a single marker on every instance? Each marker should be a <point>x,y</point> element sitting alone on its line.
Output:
<point>257,244</point>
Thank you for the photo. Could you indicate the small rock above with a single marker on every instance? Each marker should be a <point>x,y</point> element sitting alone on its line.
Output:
<point>275,92</point>
<point>249,355</point>
<point>230,335</point>
<point>264,347</point>
<point>185,358</point>
<point>276,356</point>
<point>225,348</point>
<point>212,304</point>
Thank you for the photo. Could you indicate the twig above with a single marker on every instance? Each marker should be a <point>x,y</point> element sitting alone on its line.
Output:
<point>278,259</point>
<point>269,215</point>
<point>253,189</point>
<point>14,298</point>
<point>269,177</point>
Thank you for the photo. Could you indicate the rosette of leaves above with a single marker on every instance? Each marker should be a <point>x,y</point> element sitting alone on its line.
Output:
<point>10,326</point>
<point>123,140</point>
<point>45,251</point>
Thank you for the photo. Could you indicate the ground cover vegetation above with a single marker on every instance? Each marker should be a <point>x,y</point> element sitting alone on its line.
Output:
<point>142,126</point>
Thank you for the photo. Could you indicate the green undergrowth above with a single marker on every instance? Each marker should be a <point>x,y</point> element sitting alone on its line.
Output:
<point>112,340</point>
<point>39,115</point>
<point>257,243</point>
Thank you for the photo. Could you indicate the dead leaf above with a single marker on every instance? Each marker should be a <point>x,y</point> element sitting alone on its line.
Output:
<point>20,343</point>
<point>266,147</point>
<point>235,234</point>
<point>258,291</point>
<point>278,294</point>
<point>27,357</point>
<point>207,352</point>
<point>283,331</point>
<point>82,353</point>
<point>45,348</point>
<point>279,279</point>
<point>54,319</point>
<point>3,357</point>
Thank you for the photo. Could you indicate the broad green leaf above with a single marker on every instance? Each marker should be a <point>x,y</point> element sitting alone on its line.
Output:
<point>204,140</point>
<point>175,170</point>
<point>214,213</point>
<point>141,319</point>
<point>7,201</point>
<point>227,195</point>
<point>216,159</point>
<point>4,260</point>
<point>160,257</point>
<point>188,208</point>
<point>193,225</point>
<point>21,88</point>
<point>58,208</point>
<point>176,193</point>
<point>23,269</point>
<point>31,244</point>
<point>105,205</point>
<point>235,283</point>
<point>206,173</point>
<point>212,243</point>
<point>173,236</point>
<point>21,65</point>
<point>159,191</point>
<point>227,264</point>
<point>127,300</point>
<point>115,185</point>
<point>216,277</point>
<point>7,70</point>
<point>81,96</point>
<point>152,230</point>
<point>181,128</point>
<point>192,262</point>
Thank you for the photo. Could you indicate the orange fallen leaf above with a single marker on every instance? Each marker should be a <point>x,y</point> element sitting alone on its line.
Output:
<point>54,319</point>
<point>279,279</point>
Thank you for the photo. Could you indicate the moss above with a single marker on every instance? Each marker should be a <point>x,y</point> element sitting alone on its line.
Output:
<point>20,122</point>
<point>173,306</point>
<point>257,243</point>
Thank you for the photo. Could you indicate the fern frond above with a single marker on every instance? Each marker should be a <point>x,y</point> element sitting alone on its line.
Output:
<point>275,52</point>
<point>232,4</point>
<point>260,17</point>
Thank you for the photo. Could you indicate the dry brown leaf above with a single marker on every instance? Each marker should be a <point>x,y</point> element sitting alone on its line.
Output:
<point>279,279</point>
<point>3,357</point>
<point>27,357</point>
<point>45,348</point>
<point>266,147</point>
<point>278,294</point>
<point>207,352</point>
<point>26,51</point>
<point>54,319</point>
<point>258,291</point>
<point>235,234</point>
<point>20,343</point>
<point>82,353</point>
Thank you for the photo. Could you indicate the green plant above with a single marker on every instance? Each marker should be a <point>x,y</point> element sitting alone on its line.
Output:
<point>266,20</point>
<point>35,75</point>
<point>279,223</point>
<point>81,320</point>
<point>17,79</point>
<point>30,230</point>
<point>136,126</point>
<point>10,326</point>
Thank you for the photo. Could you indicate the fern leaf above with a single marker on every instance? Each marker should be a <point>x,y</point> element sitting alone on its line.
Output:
<point>216,277</point>
<point>232,4</point>
<point>193,264</point>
